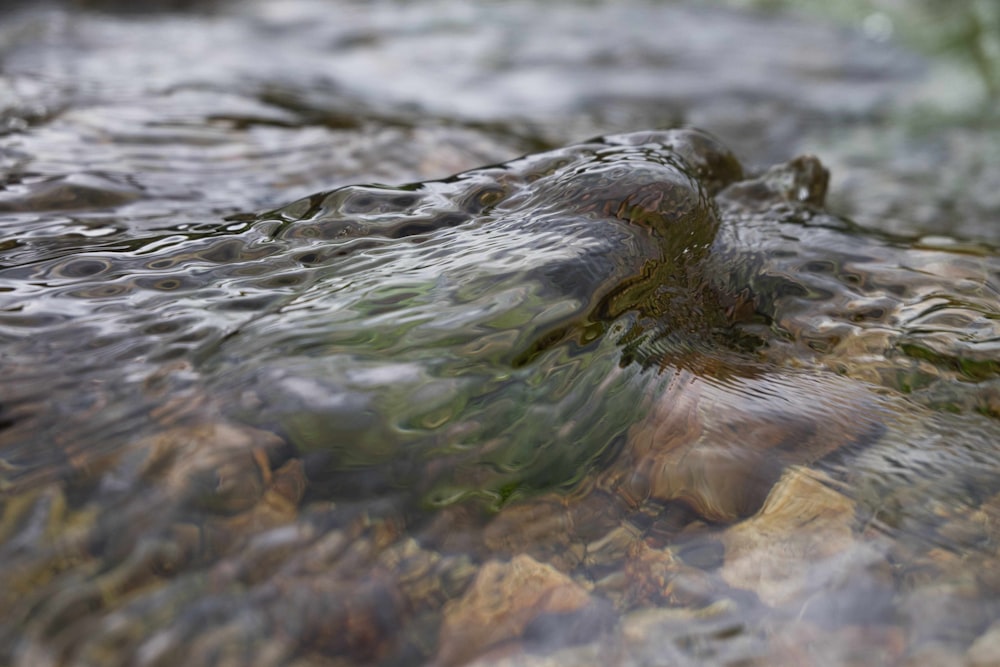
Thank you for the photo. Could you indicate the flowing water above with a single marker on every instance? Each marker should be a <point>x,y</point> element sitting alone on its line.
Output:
<point>303,364</point>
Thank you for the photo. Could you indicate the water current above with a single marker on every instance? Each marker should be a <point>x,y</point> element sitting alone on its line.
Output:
<point>389,333</point>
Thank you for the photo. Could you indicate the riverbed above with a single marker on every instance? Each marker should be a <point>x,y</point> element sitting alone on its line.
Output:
<point>352,333</point>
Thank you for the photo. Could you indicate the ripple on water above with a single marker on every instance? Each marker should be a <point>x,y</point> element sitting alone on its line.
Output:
<point>353,428</point>
<point>599,369</point>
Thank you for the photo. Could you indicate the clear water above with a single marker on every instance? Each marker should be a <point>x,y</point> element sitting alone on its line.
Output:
<point>277,387</point>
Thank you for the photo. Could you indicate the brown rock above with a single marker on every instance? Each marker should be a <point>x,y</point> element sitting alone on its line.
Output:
<point>719,446</point>
<point>802,523</point>
<point>216,466</point>
<point>502,601</point>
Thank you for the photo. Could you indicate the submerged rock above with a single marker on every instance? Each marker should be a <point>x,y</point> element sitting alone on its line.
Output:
<point>607,392</point>
<point>503,603</point>
<point>803,540</point>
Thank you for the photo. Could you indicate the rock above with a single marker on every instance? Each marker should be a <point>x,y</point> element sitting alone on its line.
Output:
<point>687,636</point>
<point>215,466</point>
<point>719,446</point>
<point>803,523</point>
<point>985,651</point>
<point>504,600</point>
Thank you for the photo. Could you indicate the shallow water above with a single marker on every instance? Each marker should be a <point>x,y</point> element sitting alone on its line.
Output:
<point>613,403</point>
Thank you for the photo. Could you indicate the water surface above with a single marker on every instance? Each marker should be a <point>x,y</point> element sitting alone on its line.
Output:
<point>279,387</point>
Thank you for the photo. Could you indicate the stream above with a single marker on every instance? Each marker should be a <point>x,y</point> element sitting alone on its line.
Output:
<point>498,333</point>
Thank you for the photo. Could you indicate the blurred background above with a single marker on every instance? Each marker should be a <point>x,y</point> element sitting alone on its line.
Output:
<point>211,107</point>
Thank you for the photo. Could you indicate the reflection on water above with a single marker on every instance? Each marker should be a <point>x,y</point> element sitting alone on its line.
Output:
<point>619,402</point>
